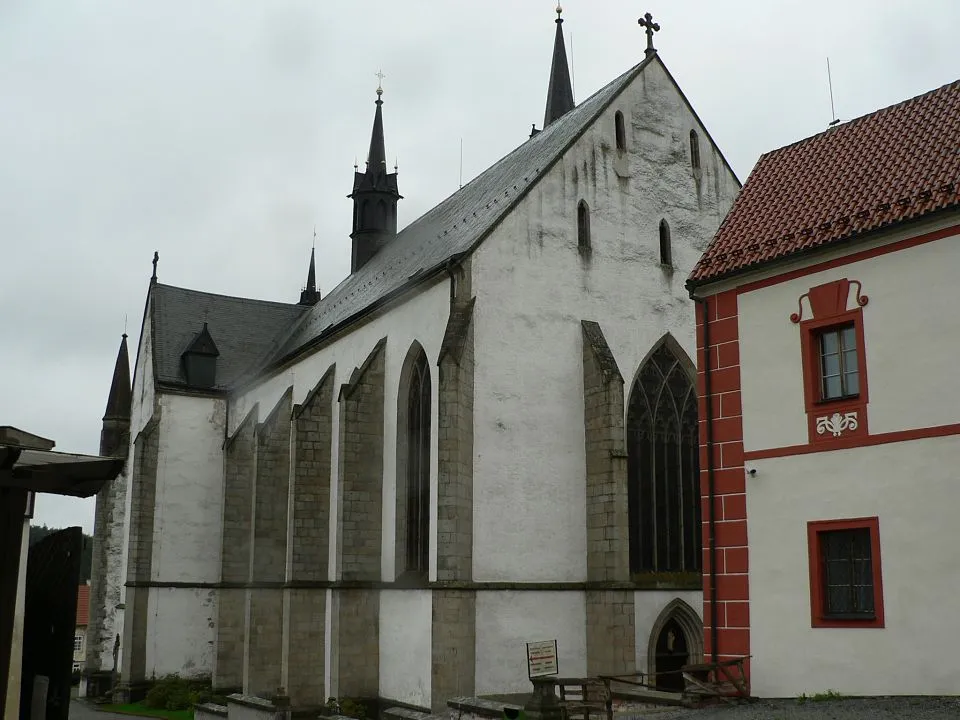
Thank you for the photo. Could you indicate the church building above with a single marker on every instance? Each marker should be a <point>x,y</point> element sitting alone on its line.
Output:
<point>832,433</point>
<point>485,435</point>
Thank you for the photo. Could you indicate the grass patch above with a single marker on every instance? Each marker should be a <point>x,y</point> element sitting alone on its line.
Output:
<point>141,710</point>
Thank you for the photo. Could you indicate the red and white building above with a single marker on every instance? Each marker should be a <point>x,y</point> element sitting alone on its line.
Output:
<point>828,336</point>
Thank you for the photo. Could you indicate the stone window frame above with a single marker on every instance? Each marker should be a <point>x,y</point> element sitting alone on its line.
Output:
<point>683,364</point>
<point>416,364</point>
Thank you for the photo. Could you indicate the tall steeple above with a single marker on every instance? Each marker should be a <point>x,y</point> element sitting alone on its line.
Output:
<point>374,196</point>
<point>115,434</point>
<point>560,90</point>
<point>309,295</point>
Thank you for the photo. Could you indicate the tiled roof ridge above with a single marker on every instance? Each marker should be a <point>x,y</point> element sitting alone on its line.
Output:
<point>853,123</point>
<point>827,224</point>
<point>223,296</point>
<point>893,165</point>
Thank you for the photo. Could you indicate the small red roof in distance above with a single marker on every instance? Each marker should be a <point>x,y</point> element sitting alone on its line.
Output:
<point>83,605</point>
<point>896,164</point>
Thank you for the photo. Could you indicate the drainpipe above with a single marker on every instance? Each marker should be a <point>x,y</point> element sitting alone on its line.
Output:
<point>711,512</point>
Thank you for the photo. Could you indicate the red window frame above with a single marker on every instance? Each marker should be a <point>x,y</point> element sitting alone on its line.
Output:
<point>829,302</point>
<point>818,616</point>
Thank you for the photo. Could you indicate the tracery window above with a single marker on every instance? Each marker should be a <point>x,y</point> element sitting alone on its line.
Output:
<point>663,466</point>
<point>418,467</point>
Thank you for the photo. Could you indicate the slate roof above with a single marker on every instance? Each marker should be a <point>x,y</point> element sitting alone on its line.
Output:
<point>894,165</point>
<point>244,330</point>
<point>452,228</point>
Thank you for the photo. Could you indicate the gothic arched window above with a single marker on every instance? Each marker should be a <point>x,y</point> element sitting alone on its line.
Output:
<point>620,131</point>
<point>417,476</point>
<point>666,250</point>
<point>583,226</point>
<point>663,465</point>
<point>694,150</point>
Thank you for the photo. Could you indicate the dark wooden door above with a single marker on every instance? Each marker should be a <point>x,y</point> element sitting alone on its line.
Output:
<point>49,623</point>
<point>672,655</point>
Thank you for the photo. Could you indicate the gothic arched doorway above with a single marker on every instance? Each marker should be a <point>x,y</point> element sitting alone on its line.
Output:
<point>672,653</point>
<point>676,639</point>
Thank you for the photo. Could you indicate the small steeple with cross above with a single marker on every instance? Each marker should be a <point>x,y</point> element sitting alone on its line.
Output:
<point>380,77</point>
<point>647,22</point>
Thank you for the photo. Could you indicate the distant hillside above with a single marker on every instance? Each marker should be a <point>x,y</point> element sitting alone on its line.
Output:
<point>39,532</point>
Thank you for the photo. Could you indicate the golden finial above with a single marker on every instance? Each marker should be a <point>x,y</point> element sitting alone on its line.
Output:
<point>380,77</point>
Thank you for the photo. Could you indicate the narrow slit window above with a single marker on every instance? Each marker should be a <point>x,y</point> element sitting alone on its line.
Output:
<point>666,250</point>
<point>583,226</point>
<point>694,150</point>
<point>620,131</point>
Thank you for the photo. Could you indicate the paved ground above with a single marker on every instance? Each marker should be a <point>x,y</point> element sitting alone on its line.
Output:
<point>843,709</point>
<point>81,711</point>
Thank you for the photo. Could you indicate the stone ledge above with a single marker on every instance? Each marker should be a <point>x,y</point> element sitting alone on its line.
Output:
<point>206,711</point>
<point>251,701</point>
<point>480,707</point>
<point>403,713</point>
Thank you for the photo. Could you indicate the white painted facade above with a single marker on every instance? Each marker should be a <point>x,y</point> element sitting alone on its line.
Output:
<point>507,620</point>
<point>909,485</point>
<point>533,288</point>
<point>405,646</point>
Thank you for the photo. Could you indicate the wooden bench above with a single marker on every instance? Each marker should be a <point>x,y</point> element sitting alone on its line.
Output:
<point>579,697</point>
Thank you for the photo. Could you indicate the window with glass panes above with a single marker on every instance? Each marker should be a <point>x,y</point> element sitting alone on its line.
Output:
<point>839,376</point>
<point>847,567</point>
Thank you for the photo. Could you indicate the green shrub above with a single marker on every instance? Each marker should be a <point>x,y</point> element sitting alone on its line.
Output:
<point>173,692</point>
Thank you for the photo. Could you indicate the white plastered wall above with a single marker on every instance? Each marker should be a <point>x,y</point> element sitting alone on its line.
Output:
<point>406,618</point>
<point>909,308</point>
<point>181,637</point>
<point>533,288</point>
<point>507,620</point>
<point>186,535</point>
<point>912,488</point>
<point>648,606</point>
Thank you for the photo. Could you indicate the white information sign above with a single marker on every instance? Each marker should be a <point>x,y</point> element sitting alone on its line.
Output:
<point>542,658</point>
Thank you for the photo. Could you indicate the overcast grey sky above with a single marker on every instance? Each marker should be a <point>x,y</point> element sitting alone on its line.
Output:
<point>220,132</point>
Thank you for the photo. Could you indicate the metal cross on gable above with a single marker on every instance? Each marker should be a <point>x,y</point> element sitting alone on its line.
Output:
<point>652,27</point>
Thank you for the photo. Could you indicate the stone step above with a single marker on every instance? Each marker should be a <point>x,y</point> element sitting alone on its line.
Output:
<point>403,713</point>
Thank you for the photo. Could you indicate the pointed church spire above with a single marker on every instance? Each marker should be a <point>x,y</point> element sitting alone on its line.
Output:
<point>377,157</point>
<point>560,90</point>
<point>309,295</point>
<point>375,196</point>
<point>118,402</point>
<point>114,435</point>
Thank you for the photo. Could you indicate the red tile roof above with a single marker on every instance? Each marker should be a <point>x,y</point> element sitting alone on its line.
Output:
<point>83,605</point>
<point>897,164</point>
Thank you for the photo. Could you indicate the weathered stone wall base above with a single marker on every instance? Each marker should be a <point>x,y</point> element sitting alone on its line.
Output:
<point>454,641</point>
<point>265,628</point>
<point>357,638</point>
<point>611,632</point>
<point>305,646</point>
<point>231,617</point>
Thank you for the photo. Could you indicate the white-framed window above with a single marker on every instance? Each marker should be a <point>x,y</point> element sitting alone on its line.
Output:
<point>78,643</point>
